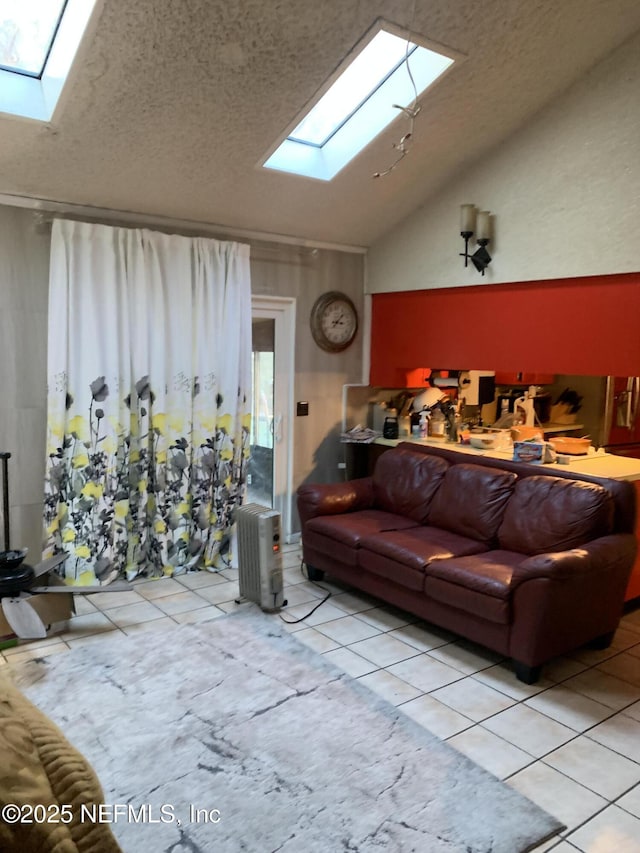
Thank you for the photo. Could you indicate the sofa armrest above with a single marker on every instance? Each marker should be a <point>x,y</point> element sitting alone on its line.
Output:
<point>563,600</point>
<point>609,553</point>
<point>334,498</point>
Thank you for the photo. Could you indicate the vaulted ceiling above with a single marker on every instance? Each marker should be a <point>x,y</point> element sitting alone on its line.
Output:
<point>172,107</point>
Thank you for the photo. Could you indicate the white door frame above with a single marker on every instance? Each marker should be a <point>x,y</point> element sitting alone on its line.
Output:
<point>283,311</point>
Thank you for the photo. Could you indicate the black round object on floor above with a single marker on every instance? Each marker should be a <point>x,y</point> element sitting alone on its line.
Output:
<point>15,580</point>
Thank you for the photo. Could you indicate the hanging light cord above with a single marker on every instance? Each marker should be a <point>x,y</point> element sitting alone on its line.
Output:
<point>411,112</point>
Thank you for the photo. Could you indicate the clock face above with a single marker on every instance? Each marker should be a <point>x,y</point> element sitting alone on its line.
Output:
<point>334,321</point>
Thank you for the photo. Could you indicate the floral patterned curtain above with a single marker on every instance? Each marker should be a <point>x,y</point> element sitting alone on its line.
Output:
<point>148,400</point>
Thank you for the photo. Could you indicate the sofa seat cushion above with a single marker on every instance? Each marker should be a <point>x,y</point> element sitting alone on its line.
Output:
<point>489,573</point>
<point>471,501</point>
<point>405,482</point>
<point>418,546</point>
<point>548,514</point>
<point>477,584</point>
<point>352,527</point>
<point>401,555</point>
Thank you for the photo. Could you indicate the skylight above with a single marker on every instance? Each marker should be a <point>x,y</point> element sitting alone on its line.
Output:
<point>27,30</point>
<point>360,102</point>
<point>38,43</point>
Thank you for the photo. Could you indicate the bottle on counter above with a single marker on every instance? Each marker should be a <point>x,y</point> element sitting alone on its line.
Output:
<point>424,424</point>
<point>437,425</point>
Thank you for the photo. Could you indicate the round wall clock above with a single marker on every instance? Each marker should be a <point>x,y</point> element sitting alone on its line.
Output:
<point>334,321</point>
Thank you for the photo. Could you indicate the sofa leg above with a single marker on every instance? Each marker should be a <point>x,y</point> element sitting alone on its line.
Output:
<point>525,673</point>
<point>314,574</point>
<point>603,641</point>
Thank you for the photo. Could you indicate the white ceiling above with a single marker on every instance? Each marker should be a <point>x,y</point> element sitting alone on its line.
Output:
<point>172,106</point>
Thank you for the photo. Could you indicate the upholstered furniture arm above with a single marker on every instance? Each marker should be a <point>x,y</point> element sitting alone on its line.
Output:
<point>39,767</point>
<point>608,553</point>
<point>564,600</point>
<point>333,498</point>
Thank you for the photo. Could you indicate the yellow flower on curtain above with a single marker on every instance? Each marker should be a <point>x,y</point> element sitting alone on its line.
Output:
<point>68,535</point>
<point>226,454</point>
<point>56,429</point>
<point>80,460</point>
<point>225,423</point>
<point>159,526</point>
<point>246,421</point>
<point>159,423</point>
<point>121,508</point>
<point>176,424</point>
<point>82,551</point>
<point>92,490</point>
<point>79,428</point>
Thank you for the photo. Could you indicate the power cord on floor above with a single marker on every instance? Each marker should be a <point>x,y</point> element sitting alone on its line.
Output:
<point>315,583</point>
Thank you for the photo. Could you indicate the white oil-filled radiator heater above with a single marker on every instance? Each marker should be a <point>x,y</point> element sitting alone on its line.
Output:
<point>260,556</point>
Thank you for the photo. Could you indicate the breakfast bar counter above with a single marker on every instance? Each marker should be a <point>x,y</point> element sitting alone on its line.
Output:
<point>598,463</point>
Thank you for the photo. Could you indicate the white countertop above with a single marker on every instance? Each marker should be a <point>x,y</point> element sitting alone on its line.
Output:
<point>597,463</point>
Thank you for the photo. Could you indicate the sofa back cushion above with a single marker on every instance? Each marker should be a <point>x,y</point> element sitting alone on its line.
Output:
<point>471,501</point>
<point>551,514</point>
<point>405,482</point>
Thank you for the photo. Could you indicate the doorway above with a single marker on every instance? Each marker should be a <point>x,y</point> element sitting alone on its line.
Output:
<point>272,362</point>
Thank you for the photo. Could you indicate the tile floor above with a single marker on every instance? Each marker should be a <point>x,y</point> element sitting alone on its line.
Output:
<point>571,742</point>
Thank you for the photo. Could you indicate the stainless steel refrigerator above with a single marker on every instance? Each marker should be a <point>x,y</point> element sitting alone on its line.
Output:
<point>620,431</point>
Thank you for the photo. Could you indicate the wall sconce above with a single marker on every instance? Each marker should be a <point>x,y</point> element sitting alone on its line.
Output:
<point>478,222</point>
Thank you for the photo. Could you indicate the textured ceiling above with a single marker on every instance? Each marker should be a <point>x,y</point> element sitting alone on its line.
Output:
<point>172,106</point>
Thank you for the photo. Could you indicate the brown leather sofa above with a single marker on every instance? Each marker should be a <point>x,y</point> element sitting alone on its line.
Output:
<point>527,560</point>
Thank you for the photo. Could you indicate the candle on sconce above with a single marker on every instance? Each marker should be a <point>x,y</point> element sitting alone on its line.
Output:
<point>467,218</point>
<point>483,226</point>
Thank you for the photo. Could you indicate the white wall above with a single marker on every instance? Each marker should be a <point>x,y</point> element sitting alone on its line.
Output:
<point>319,376</point>
<point>24,277</point>
<point>565,191</point>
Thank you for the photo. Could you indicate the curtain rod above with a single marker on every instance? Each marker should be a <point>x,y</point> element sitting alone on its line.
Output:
<point>143,220</point>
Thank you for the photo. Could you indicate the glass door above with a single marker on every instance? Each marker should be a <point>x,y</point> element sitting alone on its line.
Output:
<point>260,476</point>
<point>273,357</point>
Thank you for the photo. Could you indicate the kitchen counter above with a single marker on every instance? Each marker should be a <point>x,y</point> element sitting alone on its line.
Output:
<point>598,463</point>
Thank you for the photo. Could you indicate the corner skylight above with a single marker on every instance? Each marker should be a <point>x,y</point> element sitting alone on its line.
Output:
<point>38,42</point>
<point>359,103</point>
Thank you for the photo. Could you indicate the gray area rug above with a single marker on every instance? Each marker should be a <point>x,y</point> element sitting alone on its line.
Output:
<point>275,748</point>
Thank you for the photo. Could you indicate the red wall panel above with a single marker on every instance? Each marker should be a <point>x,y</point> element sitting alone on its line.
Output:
<point>587,326</point>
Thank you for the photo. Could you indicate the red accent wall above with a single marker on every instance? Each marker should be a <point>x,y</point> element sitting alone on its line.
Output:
<point>587,326</point>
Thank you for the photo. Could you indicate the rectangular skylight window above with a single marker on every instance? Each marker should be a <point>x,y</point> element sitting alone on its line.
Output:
<point>38,43</point>
<point>369,69</point>
<point>27,30</point>
<point>360,102</point>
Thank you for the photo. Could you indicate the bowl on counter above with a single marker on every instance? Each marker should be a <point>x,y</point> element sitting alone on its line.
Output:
<point>486,440</point>
<point>526,433</point>
<point>566,444</point>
